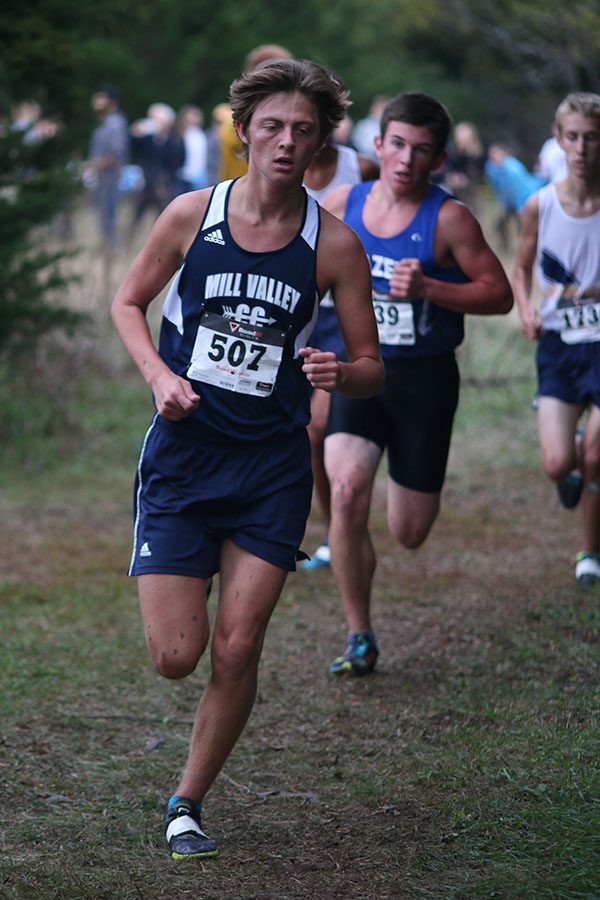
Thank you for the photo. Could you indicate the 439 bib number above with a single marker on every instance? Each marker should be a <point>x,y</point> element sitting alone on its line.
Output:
<point>395,320</point>
<point>235,356</point>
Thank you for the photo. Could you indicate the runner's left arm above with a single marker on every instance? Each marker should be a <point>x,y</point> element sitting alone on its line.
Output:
<point>343,268</point>
<point>458,241</point>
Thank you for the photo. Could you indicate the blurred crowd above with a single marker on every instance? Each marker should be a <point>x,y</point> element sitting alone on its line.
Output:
<point>168,152</point>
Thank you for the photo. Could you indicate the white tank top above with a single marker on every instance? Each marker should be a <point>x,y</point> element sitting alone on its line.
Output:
<point>347,172</point>
<point>568,270</point>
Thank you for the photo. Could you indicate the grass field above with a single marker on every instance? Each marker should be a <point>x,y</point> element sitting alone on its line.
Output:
<point>467,767</point>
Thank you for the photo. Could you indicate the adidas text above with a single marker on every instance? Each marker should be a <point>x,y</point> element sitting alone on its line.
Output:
<point>216,237</point>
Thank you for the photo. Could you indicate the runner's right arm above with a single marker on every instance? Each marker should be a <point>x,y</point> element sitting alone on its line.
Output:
<point>151,270</point>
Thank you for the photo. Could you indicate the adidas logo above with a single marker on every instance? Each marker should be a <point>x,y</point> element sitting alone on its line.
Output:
<point>145,550</point>
<point>216,237</point>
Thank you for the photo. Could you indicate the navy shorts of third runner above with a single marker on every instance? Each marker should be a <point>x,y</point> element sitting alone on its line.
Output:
<point>411,416</point>
<point>191,493</point>
<point>568,372</point>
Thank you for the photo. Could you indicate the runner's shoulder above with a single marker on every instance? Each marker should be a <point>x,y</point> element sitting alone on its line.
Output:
<point>335,201</point>
<point>180,221</point>
<point>456,222</point>
<point>336,236</point>
<point>189,207</point>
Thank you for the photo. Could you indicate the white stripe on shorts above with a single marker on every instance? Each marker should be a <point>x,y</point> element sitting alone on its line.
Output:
<point>139,494</point>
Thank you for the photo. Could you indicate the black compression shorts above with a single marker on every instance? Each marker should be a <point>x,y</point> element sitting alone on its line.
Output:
<point>411,416</point>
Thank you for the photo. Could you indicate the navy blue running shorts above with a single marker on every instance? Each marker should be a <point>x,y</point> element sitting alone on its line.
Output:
<point>568,372</point>
<point>190,495</point>
<point>411,417</point>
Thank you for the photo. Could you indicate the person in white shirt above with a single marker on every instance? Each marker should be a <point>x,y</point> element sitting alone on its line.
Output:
<point>193,173</point>
<point>559,239</point>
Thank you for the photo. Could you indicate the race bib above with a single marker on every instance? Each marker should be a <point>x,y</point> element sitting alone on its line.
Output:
<point>580,317</point>
<point>395,320</point>
<point>235,356</point>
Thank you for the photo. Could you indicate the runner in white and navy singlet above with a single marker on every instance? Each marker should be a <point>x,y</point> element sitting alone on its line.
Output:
<point>266,304</point>
<point>224,481</point>
<point>233,323</point>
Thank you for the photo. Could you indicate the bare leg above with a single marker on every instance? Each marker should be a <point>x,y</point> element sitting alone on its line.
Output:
<point>249,590</point>
<point>411,514</point>
<point>560,454</point>
<point>175,621</point>
<point>319,414</point>
<point>590,500</point>
<point>351,464</point>
<point>557,425</point>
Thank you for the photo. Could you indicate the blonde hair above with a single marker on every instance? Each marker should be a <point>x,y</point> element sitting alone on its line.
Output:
<point>583,102</point>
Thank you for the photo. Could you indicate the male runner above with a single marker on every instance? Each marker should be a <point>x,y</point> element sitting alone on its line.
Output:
<point>561,238</point>
<point>429,264</point>
<point>331,166</point>
<point>224,482</point>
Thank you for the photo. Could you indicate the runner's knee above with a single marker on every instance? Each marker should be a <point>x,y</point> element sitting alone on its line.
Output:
<point>176,662</point>
<point>234,656</point>
<point>177,655</point>
<point>350,499</point>
<point>556,464</point>
<point>410,534</point>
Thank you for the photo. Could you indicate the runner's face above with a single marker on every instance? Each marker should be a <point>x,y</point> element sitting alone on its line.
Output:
<point>408,156</point>
<point>283,135</point>
<point>579,137</point>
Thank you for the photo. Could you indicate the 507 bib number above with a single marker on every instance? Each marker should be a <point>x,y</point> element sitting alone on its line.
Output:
<point>235,356</point>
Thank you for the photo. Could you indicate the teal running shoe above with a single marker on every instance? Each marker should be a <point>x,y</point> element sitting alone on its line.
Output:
<point>321,559</point>
<point>360,656</point>
<point>183,832</point>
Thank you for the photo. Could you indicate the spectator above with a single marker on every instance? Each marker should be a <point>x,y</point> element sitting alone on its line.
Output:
<point>220,115</point>
<point>193,174</point>
<point>366,130</point>
<point>512,183</point>
<point>160,152</point>
<point>465,164</point>
<point>109,150</point>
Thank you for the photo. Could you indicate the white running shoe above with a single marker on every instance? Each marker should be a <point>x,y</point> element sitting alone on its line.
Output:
<point>587,568</point>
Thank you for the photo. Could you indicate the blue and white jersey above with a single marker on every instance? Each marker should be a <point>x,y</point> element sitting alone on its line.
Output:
<point>416,327</point>
<point>234,322</point>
